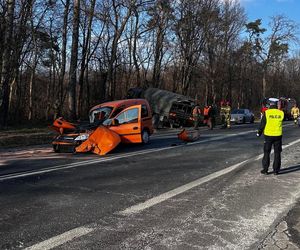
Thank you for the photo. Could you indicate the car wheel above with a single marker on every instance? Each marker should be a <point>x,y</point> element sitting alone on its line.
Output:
<point>244,120</point>
<point>252,120</point>
<point>145,137</point>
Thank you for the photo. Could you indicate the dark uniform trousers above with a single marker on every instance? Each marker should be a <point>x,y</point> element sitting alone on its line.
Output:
<point>268,143</point>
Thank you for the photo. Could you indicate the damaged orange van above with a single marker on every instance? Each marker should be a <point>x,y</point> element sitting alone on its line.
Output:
<point>131,119</point>
<point>134,124</point>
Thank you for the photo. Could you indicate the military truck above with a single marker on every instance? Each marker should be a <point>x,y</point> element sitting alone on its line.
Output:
<point>169,108</point>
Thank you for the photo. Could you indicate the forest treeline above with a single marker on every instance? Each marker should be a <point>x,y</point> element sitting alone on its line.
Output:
<point>65,56</point>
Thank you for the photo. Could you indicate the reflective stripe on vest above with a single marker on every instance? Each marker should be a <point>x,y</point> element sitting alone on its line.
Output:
<point>274,118</point>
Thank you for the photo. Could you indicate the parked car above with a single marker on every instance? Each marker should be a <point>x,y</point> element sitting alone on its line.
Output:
<point>241,116</point>
<point>130,119</point>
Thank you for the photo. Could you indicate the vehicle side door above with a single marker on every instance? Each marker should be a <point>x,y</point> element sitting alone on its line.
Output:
<point>128,124</point>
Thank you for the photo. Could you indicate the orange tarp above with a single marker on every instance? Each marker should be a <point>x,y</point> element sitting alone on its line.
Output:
<point>189,136</point>
<point>100,142</point>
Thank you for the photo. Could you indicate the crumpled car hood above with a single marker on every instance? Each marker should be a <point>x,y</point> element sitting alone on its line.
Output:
<point>100,142</point>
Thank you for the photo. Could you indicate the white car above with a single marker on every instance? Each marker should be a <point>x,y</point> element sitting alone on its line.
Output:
<point>239,116</point>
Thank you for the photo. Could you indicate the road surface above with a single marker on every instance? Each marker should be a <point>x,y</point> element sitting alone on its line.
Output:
<point>166,195</point>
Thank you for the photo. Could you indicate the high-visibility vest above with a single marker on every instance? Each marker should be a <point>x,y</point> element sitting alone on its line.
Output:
<point>274,118</point>
<point>295,111</point>
<point>206,111</point>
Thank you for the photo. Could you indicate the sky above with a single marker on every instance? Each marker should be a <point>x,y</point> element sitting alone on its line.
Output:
<point>264,9</point>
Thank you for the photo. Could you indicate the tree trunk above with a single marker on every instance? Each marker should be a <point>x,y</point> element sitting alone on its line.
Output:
<point>134,51</point>
<point>119,28</point>
<point>6,63</point>
<point>73,62</point>
<point>85,57</point>
<point>264,84</point>
<point>31,83</point>
<point>158,58</point>
<point>63,55</point>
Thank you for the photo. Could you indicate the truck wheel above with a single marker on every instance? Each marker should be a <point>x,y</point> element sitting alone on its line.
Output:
<point>145,137</point>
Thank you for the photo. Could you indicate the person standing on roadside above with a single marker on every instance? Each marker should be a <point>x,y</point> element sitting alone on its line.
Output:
<point>295,113</point>
<point>222,114</point>
<point>207,116</point>
<point>271,127</point>
<point>213,114</point>
<point>225,113</point>
<point>196,116</point>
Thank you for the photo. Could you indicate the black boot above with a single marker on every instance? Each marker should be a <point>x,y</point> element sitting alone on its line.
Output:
<point>265,172</point>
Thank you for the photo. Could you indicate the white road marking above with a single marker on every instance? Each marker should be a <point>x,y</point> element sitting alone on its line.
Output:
<point>81,231</point>
<point>77,164</point>
<point>93,161</point>
<point>105,159</point>
<point>165,196</point>
<point>61,239</point>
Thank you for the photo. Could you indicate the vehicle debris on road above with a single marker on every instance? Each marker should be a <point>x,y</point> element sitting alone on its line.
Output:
<point>189,135</point>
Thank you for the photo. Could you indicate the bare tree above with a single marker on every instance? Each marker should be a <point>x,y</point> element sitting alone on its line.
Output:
<point>85,53</point>
<point>118,22</point>
<point>160,23</point>
<point>6,61</point>
<point>74,60</point>
<point>273,47</point>
<point>63,54</point>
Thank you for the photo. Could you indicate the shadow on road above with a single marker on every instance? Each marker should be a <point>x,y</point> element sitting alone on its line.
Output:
<point>290,169</point>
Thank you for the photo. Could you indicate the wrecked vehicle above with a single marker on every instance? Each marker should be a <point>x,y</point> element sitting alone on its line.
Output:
<point>127,121</point>
<point>169,109</point>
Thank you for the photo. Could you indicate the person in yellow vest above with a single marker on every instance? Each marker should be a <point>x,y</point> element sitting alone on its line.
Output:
<point>271,127</point>
<point>225,113</point>
<point>295,113</point>
<point>196,116</point>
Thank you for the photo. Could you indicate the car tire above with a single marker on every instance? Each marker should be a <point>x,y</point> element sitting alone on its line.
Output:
<point>244,120</point>
<point>145,137</point>
<point>252,120</point>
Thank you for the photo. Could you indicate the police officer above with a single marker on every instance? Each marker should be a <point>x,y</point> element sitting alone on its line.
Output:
<point>271,127</point>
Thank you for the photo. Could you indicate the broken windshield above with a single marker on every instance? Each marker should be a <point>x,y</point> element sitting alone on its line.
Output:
<point>100,114</point>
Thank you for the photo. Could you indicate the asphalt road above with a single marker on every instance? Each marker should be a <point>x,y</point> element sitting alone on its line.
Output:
<point>166,195</point>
